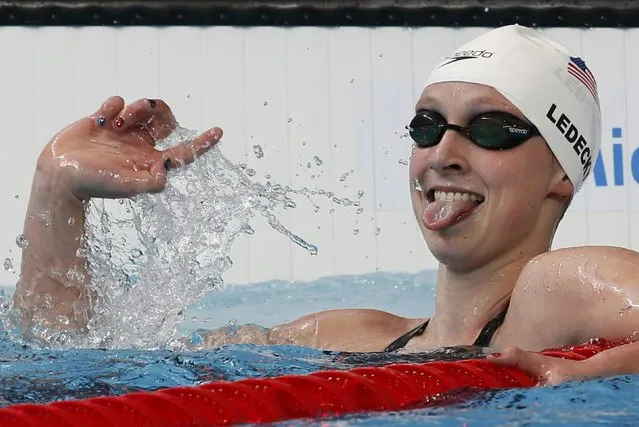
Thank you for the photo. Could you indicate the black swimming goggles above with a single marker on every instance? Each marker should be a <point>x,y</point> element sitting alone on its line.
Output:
<point>492,131</point>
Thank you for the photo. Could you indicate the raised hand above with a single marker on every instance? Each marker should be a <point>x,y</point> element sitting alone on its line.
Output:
<point>110,154</point>
<point>113,154</point>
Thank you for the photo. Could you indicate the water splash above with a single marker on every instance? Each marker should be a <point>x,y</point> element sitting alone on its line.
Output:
<point>153,255</point>
<point>345,175</point>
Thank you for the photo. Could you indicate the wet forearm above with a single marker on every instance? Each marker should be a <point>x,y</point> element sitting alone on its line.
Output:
<point>621,360</point>
<point>53,277</point>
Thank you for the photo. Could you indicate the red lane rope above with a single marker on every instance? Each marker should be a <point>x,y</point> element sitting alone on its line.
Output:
<point>262,400</point>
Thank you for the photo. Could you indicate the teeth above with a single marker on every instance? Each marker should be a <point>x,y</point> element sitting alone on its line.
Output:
<point>449,196</point>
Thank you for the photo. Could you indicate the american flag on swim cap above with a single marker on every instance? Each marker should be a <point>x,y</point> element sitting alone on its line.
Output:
<point>577,67</point>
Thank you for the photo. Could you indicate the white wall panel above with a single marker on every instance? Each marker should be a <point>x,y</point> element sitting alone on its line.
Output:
<point>308,136</point>
<point>342,95</point>
<point>351,116</point>
<point>631,135</point>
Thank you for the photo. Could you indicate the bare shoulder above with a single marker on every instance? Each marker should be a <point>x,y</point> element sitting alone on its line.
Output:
<point>361,330</point>
<point>579,265</point>
<point>564,296</point>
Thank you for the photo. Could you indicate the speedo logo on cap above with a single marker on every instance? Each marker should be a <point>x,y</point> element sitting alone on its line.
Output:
<point>466,54</point>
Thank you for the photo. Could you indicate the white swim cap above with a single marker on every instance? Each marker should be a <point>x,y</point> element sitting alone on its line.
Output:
<point>548,83</point>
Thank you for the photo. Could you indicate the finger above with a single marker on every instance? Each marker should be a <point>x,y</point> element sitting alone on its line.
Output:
<point>108,110</point>
<point>185,153</point>
<point>161,125</point>
<point>152,115</point>
<point>528,362</point>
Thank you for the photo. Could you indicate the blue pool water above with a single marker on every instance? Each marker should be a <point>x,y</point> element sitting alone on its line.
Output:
<point>36,376</point>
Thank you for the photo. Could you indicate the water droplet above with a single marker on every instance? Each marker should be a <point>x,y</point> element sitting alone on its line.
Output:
<point>16,196</point>
<point>247,229</point>
<point>377,231</point>
<point>8,265</point>
<point>403,162</point>
<point>360,194</point>
<point>317,160</point>
<point>290,120</point>
<point>359,210</point>
<point>136,253</point>
<point>265,103</point>
<point>303,142</point>
<point>250,172</point>
<point>352,80</point>
<point>258,151</point>
<point>356,231</point>
<point>219,228</point>
<point>267,176</point>
<point>381,55</point>
<point>344,176</point>
<point>22,241</point>
<point>71,221</point>
<point>232,322</point>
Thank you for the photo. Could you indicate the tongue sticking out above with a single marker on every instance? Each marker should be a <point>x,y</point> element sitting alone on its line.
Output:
<point>440,214</point>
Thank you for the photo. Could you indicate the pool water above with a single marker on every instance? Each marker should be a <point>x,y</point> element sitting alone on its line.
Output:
<point>31,375</point>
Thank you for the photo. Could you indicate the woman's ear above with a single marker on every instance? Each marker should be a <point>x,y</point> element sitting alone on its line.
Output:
<point>560,185</point>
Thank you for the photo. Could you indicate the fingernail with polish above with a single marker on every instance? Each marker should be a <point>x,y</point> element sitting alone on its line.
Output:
<point>167,164</point>
<point>152,103</point>
<point>119,122</point>
<point>100,121</point>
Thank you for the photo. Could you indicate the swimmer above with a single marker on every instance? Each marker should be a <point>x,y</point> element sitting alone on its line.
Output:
<point>505,133</point>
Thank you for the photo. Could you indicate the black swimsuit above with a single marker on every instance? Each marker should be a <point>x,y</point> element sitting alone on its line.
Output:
<point>483,340</point>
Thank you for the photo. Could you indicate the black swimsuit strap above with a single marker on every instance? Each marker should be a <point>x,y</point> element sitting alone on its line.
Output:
<point>486,334</point>
<point>403,340</point>
<point>483,340</point>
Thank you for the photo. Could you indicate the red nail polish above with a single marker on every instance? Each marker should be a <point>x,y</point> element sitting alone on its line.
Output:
<point>496,355</point>
<point>119,122</point>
